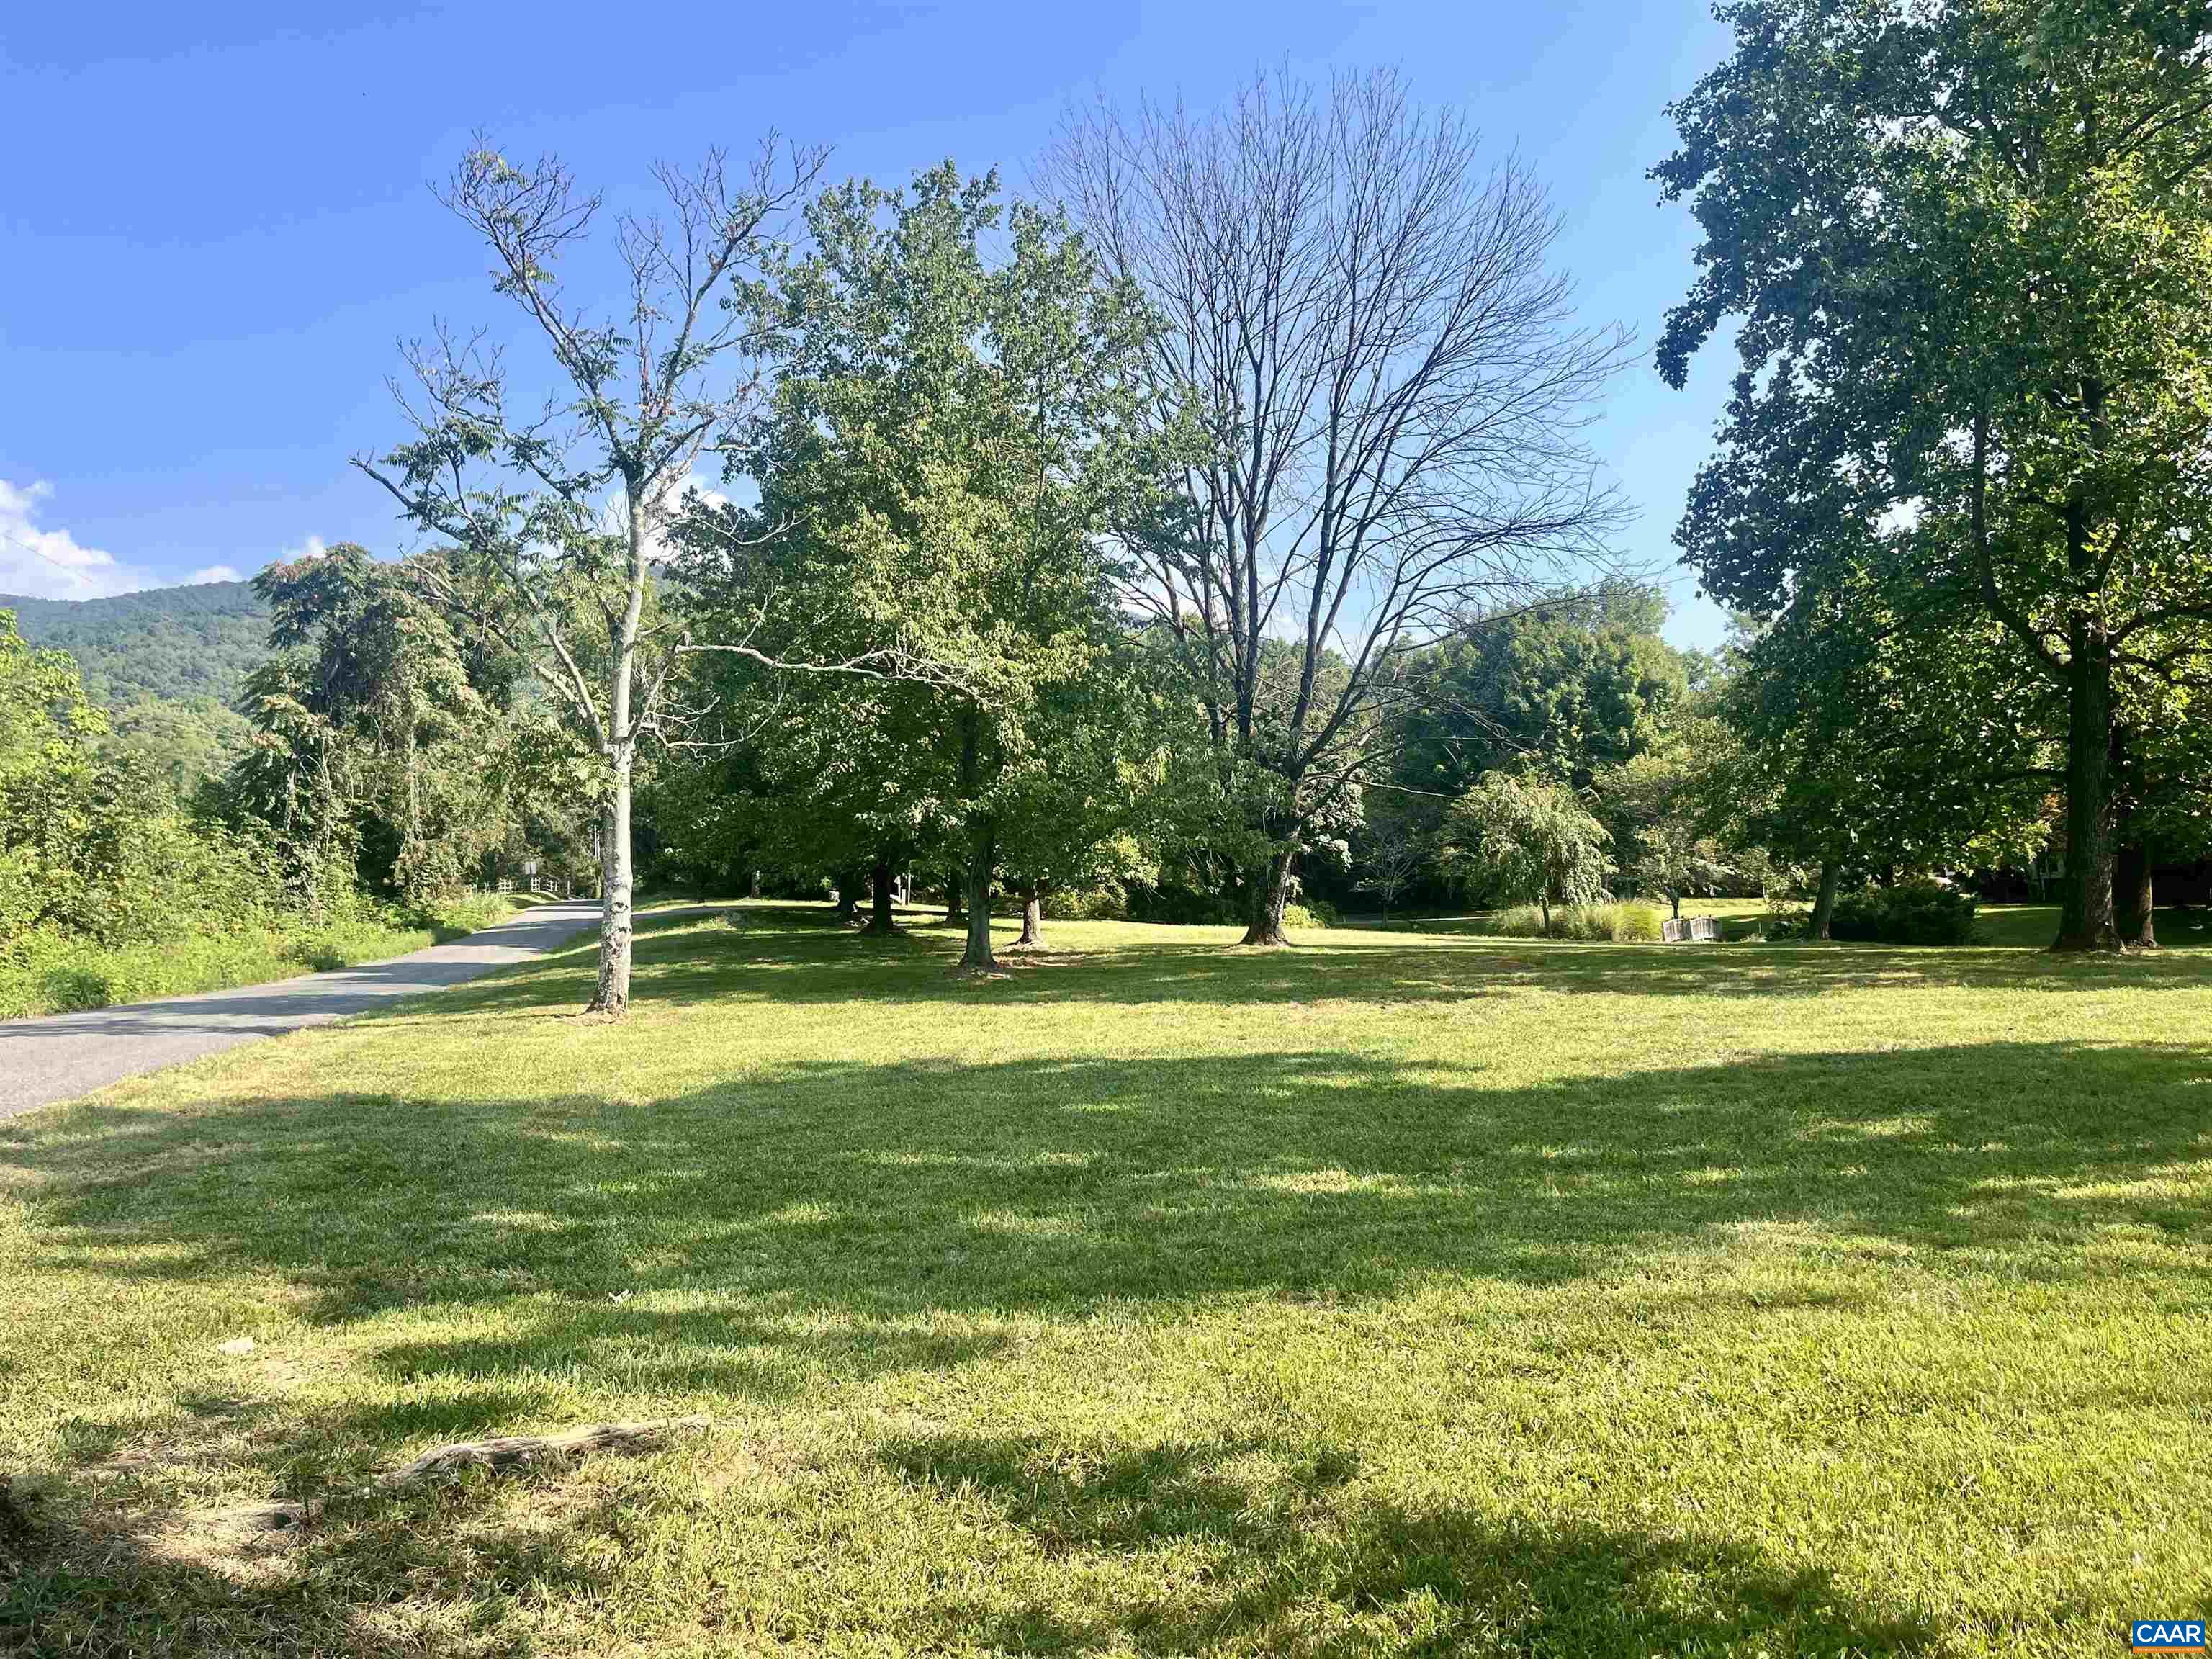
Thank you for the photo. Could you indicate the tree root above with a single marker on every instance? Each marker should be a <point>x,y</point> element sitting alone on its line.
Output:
<point>272,1523</point>
<point>16,1526</point>
<point>510,1451</point>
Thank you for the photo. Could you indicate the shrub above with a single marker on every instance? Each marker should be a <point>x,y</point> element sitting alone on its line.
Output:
<point>1515,921</point>
<point>1180,906</point>
<point>1916,913</point>
<point>1588,923</point>
<point>1307,917</point>
<point>1637,924</point>
<point>72,990</point>
<point>1585,923</point>
<point>1105,902</point>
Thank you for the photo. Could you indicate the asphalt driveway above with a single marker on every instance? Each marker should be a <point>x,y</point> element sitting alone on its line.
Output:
<point>64,1055</point>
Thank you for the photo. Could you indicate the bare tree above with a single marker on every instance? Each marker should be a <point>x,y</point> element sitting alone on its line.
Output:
<point>560,520</point>
<point>1388,388</point>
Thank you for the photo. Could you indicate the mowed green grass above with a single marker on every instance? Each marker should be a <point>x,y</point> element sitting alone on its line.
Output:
<point>1388,1296</point>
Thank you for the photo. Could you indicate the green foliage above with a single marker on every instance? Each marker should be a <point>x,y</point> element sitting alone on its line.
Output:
<point>950,445</point>
<point>1968,245</point>
<point>1177,904</point>
<point>1525,838</point>
<point>89,848</point>
<point>182,743</point>
<point>1661,806</point>
<point>1308,917</point>
<point>1912,913</point>
<point>179,644</point>
<point>1581,687</point>
<point>1870,725</point>
<point>110,891</point>
<point>1579,684</point>
<point>1637,924</point>
<point>1590,923</point>
<point>381,749</point>
<point>48,972</point>
<point>1109,902</point>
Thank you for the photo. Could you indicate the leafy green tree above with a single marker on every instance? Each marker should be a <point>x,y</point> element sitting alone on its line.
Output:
<point>1581,685</point>
<point>949,443</point>
<point>1526,839</point>
<point>1969,244</point>
<point>1394,846</point>
<point>185,742</point>
<point>1661,804</point>
<point>372,737</point>
<point>88,846</point>
<point>1577,686</point>
<point>1861,733</point>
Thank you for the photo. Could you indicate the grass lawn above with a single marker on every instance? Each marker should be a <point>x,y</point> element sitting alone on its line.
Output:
<point>1390,1295</point>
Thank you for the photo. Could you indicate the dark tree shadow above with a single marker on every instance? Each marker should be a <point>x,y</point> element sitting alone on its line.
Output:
<point>1312,1566</point>
<point>102,1580</point>
<point>780,1234</point>
<point>882,1193</point>
<point>792,955</point>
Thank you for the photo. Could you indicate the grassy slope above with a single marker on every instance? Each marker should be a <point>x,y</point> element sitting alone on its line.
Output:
<point>47,974</point>
<point>1385,1296</point>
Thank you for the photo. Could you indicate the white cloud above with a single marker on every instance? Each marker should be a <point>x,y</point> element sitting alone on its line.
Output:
<point>214,572</point>
<point>52,564</point>
<point>673,495</point>
<point>314,548</point>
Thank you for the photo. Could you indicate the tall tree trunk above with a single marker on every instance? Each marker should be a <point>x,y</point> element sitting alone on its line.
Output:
<point>2085,911</point>
<point>848,894</point>
<point>1270,891</point>
<point>982,857</point>
<point>1032,892</point>
<point>882,920</point>
<point>1676,898</point>
<point>1544,904</point>
<point>1824,901</point>
<point>617,923</point>
<point>956,895</point>
<point>2135,896</point>
<point>983,849</point>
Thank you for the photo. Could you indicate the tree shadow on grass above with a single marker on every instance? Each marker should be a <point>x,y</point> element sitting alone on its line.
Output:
<point>780,1236</point>
<point>366,1573</point>
<point>823,1215</point>
<point>1300,1559</point>
<point>793,959</point>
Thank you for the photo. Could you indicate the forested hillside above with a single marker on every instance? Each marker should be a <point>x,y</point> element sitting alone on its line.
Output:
<point>170,662</point>
<point>169,642</point>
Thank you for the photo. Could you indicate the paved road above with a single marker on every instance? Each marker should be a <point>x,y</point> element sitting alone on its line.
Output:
<point>65,1056</point>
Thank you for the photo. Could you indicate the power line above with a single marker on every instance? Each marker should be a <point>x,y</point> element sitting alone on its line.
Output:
<point>36,553</point>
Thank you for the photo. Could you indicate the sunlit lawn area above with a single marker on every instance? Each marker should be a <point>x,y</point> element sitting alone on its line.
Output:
<point>1388,1296</point>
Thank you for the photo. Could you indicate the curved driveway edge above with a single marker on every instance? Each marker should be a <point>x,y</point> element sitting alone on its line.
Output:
<point>62,1056</point>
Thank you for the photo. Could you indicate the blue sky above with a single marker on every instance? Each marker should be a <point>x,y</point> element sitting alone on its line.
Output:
<point>216,225</point>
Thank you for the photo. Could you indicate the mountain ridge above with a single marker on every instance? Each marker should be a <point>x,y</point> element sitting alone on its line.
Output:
<point>194,641</point>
